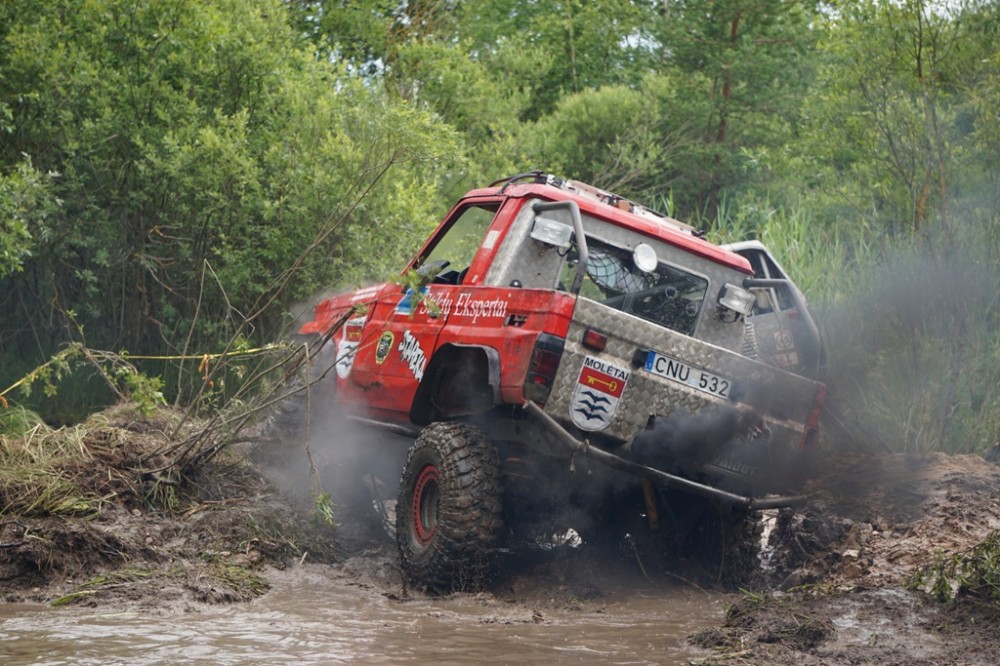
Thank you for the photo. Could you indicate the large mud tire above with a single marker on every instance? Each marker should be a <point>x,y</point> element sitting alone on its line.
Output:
<point>449,516</point>
<point>718,545</point>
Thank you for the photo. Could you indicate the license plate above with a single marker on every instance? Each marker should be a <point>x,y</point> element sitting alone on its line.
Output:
<point>681,372</point>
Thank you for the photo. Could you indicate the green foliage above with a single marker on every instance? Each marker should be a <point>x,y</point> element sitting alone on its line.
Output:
<point>17,421</point>
<point>145,392</point>
<point>212,172</point>
<point>324,508</point>
<point>894,138</point>
<point>602,136</point>
<point>743,67</point>
<point>975,572</point>
<point>121,376</point>
<point>26,202</point>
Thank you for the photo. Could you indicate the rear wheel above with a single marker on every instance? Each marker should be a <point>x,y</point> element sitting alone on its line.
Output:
<point>449,513</point>
<point>682,534</point>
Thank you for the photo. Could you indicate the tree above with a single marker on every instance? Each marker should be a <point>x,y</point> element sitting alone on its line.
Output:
<point>25,205</point>
<point>895,139</point>
<point>749,62</point>
<point>199,151</point>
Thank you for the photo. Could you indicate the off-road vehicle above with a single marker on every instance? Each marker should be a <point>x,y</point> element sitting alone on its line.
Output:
<point>565,361</point>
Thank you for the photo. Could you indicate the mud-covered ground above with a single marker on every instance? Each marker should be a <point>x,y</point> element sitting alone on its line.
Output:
<point>837,581</point>
<point>138,539</point>
<point>842,571</point>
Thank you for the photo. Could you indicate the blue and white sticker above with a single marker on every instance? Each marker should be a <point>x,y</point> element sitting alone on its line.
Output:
<point>346,351</point>
<point>597,393</point>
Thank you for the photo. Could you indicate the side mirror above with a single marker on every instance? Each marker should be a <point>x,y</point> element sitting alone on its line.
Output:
<point>552,232</point>
<point>737,299</point>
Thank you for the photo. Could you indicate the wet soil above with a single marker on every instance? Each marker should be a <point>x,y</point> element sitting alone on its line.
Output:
<point>838,584</point>
<point>843,570</point>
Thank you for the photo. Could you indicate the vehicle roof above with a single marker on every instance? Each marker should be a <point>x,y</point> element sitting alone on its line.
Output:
<point>623,213</point>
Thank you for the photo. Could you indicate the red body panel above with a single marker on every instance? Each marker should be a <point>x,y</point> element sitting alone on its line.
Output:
<point>388,341</point>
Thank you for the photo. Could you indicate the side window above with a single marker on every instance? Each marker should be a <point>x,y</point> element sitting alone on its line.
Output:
<point>459,244</point>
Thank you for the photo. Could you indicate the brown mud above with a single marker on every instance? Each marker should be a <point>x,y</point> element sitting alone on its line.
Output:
<point>150,541</point>
<point>837,581</point>
<point>842,571</point>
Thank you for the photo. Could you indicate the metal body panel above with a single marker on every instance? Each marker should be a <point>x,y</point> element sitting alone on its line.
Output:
<point>782,399</point>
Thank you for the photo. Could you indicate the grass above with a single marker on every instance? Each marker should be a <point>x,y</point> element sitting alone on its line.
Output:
<point>36,477</point>
<point>73,471</point>
<point>119,578</point>
<point>245,583</point>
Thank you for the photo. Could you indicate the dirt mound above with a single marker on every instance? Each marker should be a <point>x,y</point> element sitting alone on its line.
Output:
<point>847,564</point>
<point>93,514</point>
<point>874,521</point>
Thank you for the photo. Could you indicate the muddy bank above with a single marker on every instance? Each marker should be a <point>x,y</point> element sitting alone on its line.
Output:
<point>85,523</point>
<point>886,626</point>
<point>837,587</point>
<point>843,570</point>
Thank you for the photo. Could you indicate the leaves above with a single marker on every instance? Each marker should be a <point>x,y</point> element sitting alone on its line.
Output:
<point>975,572</point>
<point>26,203</point>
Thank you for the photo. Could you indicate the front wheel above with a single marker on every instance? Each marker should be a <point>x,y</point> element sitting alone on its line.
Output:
<point>449,513</point>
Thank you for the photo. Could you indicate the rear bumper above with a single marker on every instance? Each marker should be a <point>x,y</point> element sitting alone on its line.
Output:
<point>577,447</point>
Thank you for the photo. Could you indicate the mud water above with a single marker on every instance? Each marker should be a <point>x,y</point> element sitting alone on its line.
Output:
<point>317,614</point>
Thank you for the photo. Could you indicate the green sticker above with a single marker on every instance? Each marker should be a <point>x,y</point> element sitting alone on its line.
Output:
<point>384,347</point>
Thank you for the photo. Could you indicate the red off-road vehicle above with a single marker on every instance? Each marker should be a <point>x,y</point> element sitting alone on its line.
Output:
<point>569,360</point>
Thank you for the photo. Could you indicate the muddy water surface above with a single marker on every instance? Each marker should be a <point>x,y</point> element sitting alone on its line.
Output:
<point>315,616</point>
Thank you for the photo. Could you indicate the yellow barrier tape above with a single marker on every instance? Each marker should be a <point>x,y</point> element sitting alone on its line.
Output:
<point>204,358</point>
<point>202,367</point>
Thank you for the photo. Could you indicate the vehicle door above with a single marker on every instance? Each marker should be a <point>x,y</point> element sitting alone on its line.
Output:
<point>406,320</point>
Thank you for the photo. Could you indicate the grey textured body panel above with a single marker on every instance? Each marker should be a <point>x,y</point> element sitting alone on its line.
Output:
<point>537,265</point>
<point>782,399</point>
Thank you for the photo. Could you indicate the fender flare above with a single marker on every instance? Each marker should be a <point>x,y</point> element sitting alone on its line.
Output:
<point>460,380</point>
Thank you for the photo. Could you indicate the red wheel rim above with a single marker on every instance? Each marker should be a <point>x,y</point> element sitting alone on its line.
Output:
<point>424,508</point>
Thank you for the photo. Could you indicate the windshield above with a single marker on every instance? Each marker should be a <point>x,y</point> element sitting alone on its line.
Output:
<point>667,296</point>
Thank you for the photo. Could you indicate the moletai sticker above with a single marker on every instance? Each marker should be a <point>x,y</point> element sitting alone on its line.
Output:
<point>597,393</point>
